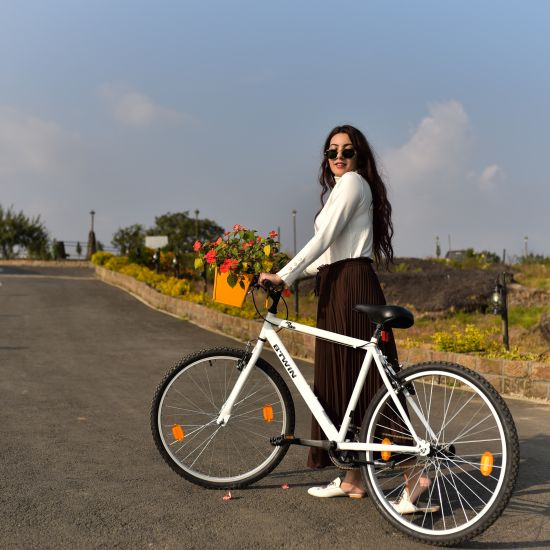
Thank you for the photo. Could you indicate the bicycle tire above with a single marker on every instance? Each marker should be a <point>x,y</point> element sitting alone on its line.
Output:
<point>187,403</point>
<point>470,491</point>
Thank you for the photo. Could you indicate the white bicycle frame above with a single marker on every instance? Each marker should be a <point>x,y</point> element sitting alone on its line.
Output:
<point>269,334</point>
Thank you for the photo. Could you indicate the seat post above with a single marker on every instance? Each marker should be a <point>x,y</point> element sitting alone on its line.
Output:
<point>378,332</point>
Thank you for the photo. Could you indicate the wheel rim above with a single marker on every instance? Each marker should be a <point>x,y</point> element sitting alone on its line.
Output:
<point>465,425</point>
<point>221,454</point>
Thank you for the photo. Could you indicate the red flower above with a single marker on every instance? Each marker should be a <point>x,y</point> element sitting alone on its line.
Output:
<point>228,264</point>
<point>196,246</point>
<point>218,241</point>
<point>238,227</point>
<point>246,245</point>
<point>273,234</point>
<point>210,256</point>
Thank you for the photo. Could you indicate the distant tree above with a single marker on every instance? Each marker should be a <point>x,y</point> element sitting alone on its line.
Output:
<point>182,230</point>
<point>532,258</point>
<point>437,248</point>
<point>129,239</point>
<point>78,249</point>
<point>20,231</point>
<point>485,256</point>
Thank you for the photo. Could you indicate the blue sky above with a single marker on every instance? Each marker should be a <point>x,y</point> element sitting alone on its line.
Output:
<point>135,109</point>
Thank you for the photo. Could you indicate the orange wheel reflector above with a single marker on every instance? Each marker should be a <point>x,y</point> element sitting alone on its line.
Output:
<point>268,413</point>
<point>386,454</point>
<point>486,463</point>
<point>178,433</point>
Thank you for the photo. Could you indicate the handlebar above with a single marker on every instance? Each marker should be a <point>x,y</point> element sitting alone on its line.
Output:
<point>273,292</point>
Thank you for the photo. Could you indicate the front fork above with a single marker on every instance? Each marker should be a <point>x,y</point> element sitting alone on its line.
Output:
<point>225,412</point>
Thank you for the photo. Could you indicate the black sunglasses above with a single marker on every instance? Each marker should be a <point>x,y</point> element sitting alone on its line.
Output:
<point>332,154</point>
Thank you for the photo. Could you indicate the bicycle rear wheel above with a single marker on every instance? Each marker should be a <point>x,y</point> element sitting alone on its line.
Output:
<point>187,404</point>
<point>467,479</point>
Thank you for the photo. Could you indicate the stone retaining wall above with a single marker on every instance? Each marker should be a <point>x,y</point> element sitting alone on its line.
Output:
<point>514,378</point>
<point>48,263</point>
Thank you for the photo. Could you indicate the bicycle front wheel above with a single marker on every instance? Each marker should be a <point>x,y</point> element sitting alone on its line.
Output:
<point>466,481</point>
<point>186,407</point>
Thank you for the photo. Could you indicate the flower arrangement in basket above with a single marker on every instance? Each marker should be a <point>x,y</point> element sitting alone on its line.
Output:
<point>237,257</point>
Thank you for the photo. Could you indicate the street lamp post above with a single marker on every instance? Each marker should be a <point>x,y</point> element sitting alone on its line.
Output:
<point>294,229</point>
<point>499,300</point>
<point>197,212</point>
<point>197,225</point>
<point>176,267</point>
<point>296,286</point>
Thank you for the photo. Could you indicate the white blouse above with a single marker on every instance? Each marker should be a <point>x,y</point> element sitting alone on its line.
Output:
<point>343,229</point>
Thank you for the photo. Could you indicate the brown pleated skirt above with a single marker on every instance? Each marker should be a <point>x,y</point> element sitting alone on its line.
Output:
<point>340,286</point>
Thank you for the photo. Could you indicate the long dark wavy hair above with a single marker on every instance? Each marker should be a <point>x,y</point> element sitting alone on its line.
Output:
<point>366,166</point>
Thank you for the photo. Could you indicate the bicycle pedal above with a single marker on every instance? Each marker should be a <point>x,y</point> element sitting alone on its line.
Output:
<point>281,440</point>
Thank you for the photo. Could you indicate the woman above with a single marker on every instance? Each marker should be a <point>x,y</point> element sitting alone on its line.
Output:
<point>351,228</point>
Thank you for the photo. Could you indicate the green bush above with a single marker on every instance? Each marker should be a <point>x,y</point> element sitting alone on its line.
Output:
<point>525,317</point>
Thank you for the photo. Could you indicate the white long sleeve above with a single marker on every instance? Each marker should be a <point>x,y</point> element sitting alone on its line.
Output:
<point>343,229</point>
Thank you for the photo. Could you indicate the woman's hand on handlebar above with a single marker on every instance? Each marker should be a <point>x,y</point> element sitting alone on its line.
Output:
<point>274,279</point>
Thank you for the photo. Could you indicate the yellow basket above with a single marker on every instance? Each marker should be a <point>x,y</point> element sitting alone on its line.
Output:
<point>224,294</point>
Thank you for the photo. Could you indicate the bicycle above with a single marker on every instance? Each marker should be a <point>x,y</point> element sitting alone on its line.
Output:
<point>224,418</point>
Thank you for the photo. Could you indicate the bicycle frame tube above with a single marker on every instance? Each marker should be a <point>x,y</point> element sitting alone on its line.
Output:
<point>372,353</point>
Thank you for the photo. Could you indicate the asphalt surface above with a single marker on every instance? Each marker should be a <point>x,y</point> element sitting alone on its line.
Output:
<point>79,364</point>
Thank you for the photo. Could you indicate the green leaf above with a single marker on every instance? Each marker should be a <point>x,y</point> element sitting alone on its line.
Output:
<point>232,279</point>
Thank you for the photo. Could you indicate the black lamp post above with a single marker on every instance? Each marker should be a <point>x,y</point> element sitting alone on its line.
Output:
<point>499,302</point>
<point>296,286</point>
<point>156,260</point>
<point>197,238</point>
<point>197,225</point>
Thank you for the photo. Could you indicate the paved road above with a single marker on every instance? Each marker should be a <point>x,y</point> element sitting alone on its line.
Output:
<point>79,363</point>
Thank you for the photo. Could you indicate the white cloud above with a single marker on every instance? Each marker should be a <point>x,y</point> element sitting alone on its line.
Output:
<point>135,109</point>
<point>31,145</point>
<point>489,176</point>
<point>435,188</point>
<point>436,149</point>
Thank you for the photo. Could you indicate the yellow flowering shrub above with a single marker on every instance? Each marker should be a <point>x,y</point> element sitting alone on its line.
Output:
<point>174,287</point>
<point>101,258</point>
<point>115,263</point>
<point>181,288</point>
<point>472,339</point>
<point>159,281</point>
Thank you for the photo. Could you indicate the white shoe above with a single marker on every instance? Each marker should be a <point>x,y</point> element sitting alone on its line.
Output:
<point>403,505</point>
<point>332,490</point>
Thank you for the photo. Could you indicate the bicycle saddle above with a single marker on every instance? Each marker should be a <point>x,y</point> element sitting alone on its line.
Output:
<point>388,316</point>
